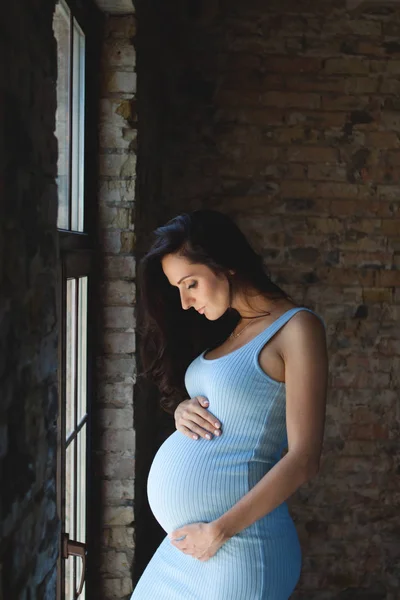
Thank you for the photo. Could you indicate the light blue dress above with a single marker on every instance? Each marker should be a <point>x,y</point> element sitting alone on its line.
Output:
<point>194,481</point>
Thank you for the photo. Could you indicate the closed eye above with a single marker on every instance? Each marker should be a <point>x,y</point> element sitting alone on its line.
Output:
<point>192,285</point>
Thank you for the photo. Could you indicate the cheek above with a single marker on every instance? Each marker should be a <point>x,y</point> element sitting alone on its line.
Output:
<point>218,291</point>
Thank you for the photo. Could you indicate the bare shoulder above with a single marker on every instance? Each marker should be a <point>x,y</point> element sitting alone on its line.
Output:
<point>304,331</point>
<point>304,320</point>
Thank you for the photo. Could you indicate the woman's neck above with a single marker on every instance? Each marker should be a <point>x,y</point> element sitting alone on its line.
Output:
<point>252,303</point>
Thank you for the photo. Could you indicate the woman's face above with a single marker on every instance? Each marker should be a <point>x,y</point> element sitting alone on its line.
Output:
<point>199,287</point>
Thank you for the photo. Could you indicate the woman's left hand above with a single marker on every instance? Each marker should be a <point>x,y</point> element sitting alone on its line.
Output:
<point>202,540</point>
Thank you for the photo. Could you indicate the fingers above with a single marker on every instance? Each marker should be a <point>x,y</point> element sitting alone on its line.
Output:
<point>203,401</point>
<point>197,424</point>
<point>186,431</point>
<point>191,551</point>
<point>194,420</point>
<point>195,431</point>
<point>206,415</point>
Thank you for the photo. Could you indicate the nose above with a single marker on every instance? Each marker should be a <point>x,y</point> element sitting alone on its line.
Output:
<point>185,300</point>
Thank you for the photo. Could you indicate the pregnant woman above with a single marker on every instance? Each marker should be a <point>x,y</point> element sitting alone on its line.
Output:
<point>254,365</point>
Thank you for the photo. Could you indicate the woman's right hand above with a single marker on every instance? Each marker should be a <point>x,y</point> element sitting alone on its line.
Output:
<point>193,419</point>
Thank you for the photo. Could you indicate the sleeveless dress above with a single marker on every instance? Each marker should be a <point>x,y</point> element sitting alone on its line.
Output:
<point>193,481</point>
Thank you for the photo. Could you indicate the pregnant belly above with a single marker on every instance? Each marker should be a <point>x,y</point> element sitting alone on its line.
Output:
<point>195,480</point>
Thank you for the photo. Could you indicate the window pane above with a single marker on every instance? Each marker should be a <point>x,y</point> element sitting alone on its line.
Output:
<point>70,356</point>
<point>82,348</point>
<point>61,28</point>
<point>70,490</point>
<point>69,578</point>
<point>81,486</point>
<point>78,100</point>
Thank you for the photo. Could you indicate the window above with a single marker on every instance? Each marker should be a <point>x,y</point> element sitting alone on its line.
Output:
<point>74,283</point>
<point>70,118</point>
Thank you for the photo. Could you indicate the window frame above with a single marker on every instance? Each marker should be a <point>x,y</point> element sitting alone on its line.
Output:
<point>77,259</point>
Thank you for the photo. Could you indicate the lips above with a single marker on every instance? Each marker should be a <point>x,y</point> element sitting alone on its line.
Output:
<point>201,310</point>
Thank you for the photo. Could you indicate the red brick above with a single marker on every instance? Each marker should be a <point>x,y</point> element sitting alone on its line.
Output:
<point>324,172</point>
<point>299,206</point>
<point>360,380</point>
<point>365,225</point>
<point>381,174</point>
<point>346,277</point>
<point>296,171</point>
<point>363,259</point>
<point>337,84</point>
<point>383,139</point>
<point>336,190</point>
<point>251,116</point>
<point>388,278</point>
<point>362,85</point>
<point>369,432</point>
<point>237,61</point>
<point>389,346</point>
<point>325,225</point>
<point>316,118</point>
<point>378,295</point>
<point>353,240</point>
<point>359,448</point>
<point>344,207</point>
<point>290,135</point>
<point>344,102</point>
<point>240,98</point>
<point>393,157</point>
<point>373,208</point>
<point>390,193</point>
<point>351,66</point>
<point>391,227</point>
<point>291,99</point>
<point>378,66</point>
<point>363,27</point>
<point>393,66</point>
<point>290,64</point>
<point>312,154</point>
<point>389,86</point>
<point>298,189</point>
<point>371,49</point>
<point>254,80</point>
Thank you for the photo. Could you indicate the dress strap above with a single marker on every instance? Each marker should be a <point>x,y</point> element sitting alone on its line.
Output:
<point>272,329</point>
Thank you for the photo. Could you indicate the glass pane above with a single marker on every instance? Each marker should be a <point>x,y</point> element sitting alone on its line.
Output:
<point>78,100</point>
<point>61,28</point>
<point>69,578</point>
<point>81,487</point>
<point>69,515</point>
<point>82,348</point>
<point>70,356</point>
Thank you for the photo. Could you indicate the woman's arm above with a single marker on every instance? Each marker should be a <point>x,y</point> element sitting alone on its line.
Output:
<point>303,350</point>
<point>304,353</point>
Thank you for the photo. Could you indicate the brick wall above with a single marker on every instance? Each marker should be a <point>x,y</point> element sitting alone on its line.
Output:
<point>286,115</point>
<point>29,526</point>
<point>114,439</point>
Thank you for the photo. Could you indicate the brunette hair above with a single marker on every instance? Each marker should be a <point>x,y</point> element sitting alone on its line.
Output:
<point>170,337</point>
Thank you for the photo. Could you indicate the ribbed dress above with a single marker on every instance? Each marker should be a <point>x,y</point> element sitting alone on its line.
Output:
<point>193,481</point>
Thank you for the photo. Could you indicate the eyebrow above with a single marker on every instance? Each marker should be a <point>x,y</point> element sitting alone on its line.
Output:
<point>186,276</point>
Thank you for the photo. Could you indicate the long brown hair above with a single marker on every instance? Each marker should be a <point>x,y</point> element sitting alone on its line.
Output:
<point>170,336</point>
